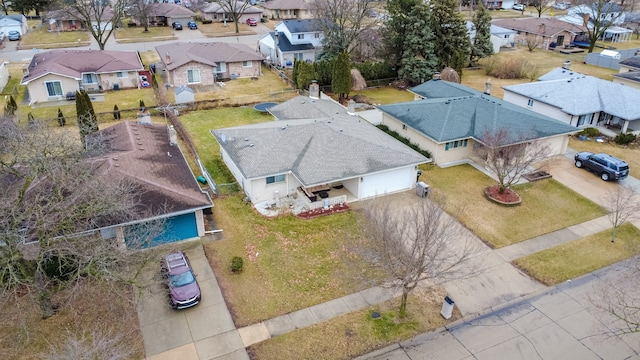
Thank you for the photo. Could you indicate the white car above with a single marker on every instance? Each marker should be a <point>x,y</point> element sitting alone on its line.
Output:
<point>519,7</point>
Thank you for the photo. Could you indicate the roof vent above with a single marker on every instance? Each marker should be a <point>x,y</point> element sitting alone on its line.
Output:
<point>223,137</point>
<point>250,145</point>
<point>246,139</point>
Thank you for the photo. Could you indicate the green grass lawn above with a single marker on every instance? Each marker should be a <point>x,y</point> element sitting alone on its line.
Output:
<point>385,95</point>
<point>582,256</point>
<point>43,38</point>
<point>546,205</point>
<point>298,263</point>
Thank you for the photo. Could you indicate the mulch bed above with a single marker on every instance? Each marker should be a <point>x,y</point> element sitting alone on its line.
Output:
<point>508,197</point>
<point>321,211</point>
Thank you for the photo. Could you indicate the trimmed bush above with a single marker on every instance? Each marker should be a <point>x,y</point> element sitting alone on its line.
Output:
<point>236,264</point>
<point>590,132</point>
<point>404,140</point>
<point>625,139</point>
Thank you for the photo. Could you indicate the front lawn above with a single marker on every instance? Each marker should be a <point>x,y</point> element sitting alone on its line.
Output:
<point>45,39</point>
<point>289,263</point>
<point>582,256</point>
<point>385,95</point>
<point>546,205</point>
<point>138,33</point>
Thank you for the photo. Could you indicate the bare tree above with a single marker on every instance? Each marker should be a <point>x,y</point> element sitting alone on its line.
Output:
<point>99,17</point>
<point>343,23</point>
<point>540,5</point>
<point>234,9</point>
<point>416,241</point>
<point>51,200</point>
<point>623,204</point>
<point>139,10</point>
<point>96,344</point>
<point>599,16</point>
<point>531,41</point>
<point>509,155</point>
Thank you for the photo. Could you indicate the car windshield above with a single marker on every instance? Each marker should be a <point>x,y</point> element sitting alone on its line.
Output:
<point>183,279</point>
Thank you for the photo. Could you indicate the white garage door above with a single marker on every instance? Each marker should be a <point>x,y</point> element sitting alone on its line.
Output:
<point>387,182</point>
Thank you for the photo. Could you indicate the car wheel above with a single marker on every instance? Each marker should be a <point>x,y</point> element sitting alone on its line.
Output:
<point>604,176</point>
<point>578,163</point>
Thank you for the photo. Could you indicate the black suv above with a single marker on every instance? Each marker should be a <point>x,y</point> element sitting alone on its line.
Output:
<point>607,166</point>
<point>176,25</point>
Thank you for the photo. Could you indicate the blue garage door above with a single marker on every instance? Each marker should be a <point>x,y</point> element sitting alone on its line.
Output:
<point>175,229</point>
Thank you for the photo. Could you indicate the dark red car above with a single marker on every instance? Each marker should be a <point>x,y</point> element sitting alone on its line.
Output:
<point>252,22</point>
<point>184,291</point>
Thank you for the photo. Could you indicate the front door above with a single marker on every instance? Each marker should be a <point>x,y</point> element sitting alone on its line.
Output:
<point>560,40</point>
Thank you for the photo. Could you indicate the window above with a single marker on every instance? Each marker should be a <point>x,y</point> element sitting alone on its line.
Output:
<point>506,36</point>
<point>275,179</point>
<point>404,127</point>
<point>221,67</point>
<point>456,144</point>
<point>298,56</point>
<point>317,35</point>
<point>193,76</point>
<point>247,63</point>
<point>54,88</point>
<point>300,36</point>
<point>89,78</point>
<point>122,74</point>
<point>530,103</point>
<point>585,119</point>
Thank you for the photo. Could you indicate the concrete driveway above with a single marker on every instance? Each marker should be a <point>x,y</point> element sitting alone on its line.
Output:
<point>205,331</point>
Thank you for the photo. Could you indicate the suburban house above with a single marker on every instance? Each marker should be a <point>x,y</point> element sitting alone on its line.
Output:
<point>52,74</point>
<point>13,23</point>
<point>146,155</point>
<point>4,74</point>
<point>292,40</point>
<point>500,37</point>
<point>163,14</point>
<point>579,100</point>
<point>546,32</point>
<point>287,9</point>
<point>317,152</point>
<point>610,12</point>
<point>448,118</point>
<point>206,63</point>
<point>629,72</point>
<point>499,4</point>
<point>213,11</point>
<point>68,20</point>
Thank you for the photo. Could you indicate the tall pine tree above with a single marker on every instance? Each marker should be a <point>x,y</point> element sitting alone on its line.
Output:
<point>482,46</point>
<point>87,120</point>
<point>396,30</point>
<point>341,79</point>
<point>418,61</point>
<point>450,33</point>
<point>11,107</point>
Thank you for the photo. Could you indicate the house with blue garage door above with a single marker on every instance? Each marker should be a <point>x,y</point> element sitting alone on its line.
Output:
<point>146,155</point>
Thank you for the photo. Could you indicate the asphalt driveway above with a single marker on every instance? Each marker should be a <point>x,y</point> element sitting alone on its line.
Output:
<point>205,331</point>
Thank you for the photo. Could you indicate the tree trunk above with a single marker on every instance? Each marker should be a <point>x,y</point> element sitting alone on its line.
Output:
<point>44,296</point>
<point>613,234</point>
<point>403,303</point>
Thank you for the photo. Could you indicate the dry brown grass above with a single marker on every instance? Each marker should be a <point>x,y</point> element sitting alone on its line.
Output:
<point>102,306</point>
<point>218,29</point>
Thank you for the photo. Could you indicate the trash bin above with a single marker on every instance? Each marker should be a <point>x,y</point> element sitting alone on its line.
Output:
<point>422,189</point>
<point>447,308</point>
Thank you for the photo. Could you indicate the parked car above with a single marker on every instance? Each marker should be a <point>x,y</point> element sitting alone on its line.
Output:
<point>14,35</point>
<point>2,36</point>
<point>192,25</point>
<point>252,22</point>
<point>562,5</point>
<point>607,166</point>
<point>180,280</point>
<point>519,7</point>
<point>176,25</point>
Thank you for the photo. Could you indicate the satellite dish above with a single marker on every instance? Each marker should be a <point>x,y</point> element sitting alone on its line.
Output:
<point>223,137</point>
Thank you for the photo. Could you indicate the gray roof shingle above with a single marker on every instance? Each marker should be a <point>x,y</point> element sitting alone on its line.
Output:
<point>331,147</point>
<point>303,25</point>
<point>206,53</point>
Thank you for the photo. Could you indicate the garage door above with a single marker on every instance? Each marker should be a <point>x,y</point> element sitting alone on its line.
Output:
<point>175,229</point>
<point>387,182</point>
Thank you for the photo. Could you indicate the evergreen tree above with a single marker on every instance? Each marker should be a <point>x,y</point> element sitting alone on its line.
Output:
<point>142,103</point>
<point>87,120</point>
<point>395,30</point>
<point>341,79</point>
<point>116,112</point>
<point>306,73</point>
<point>450,32</point>
<point>11,107</point>
<point>418,62</point>
<point>458,60</point>
<point>61,120</point>
<point>482,46</point>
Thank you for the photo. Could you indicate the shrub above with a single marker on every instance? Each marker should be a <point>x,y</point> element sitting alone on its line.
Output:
<point>510,68</point>
<point>207,21</point>
<point>590,132</point>
<point>236,264</point>
<point>404,140</point>
<point>624,139</point>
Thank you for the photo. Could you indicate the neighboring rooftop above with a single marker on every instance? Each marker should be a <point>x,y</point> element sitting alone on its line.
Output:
<point>539,26</point>
<point>286,5</point>
<point>285,45</point>
<point>182,53</point>
<point>303,25</point>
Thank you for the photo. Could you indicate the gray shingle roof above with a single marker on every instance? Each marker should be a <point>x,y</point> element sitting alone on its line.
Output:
<point>331,147</point>
<point>169,10</point>
<point>632,61</point>
<point>540,26</point>
<point>303,25</point>
<point>206,53</point>
<point>579,94</point>
<point>453,118</point>
<point>285,45</point>
<point>217,8</point>
<point>286,5</point>
<point>442,89</point>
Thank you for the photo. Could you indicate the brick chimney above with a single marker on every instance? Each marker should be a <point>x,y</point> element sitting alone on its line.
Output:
<point>487,87</point>
<point>542,28</point>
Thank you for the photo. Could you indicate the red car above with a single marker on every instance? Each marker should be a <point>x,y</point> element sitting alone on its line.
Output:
<point>252,22</point>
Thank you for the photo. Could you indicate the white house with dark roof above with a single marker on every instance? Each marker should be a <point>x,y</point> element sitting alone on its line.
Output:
<point>579,100</point>
<point>316,150</point>
<point>13,23</point>
<point>449,118</point>
<point>629,73</point>
<point>192,64</point>
<point>54,73</point>
<point>292,40</point>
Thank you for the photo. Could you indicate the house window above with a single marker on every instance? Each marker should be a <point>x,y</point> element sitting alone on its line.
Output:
<point>530,103</point>
<point>300,36</point>
<point>193,76</point>
<point>317,35</point>
<point>585,119</point>
<point>275,179</point>
<point>89,78</point>
<point>54,88</point>
<point>456,144</point>
<point>247,63</point>
<point>122,74</point>
<point>506,36</point>
<point>404,127</point>
<point>221,67</point>
<point>298,56</point>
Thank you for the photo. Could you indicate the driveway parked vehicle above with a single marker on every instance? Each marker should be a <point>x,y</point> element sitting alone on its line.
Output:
<point>252,22</point>
<point>607,166</point>
<point>519,7</point>
<point>14,35</point>
<point>178,276</point>
<point>176,25</point>
<point>192,25</point>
